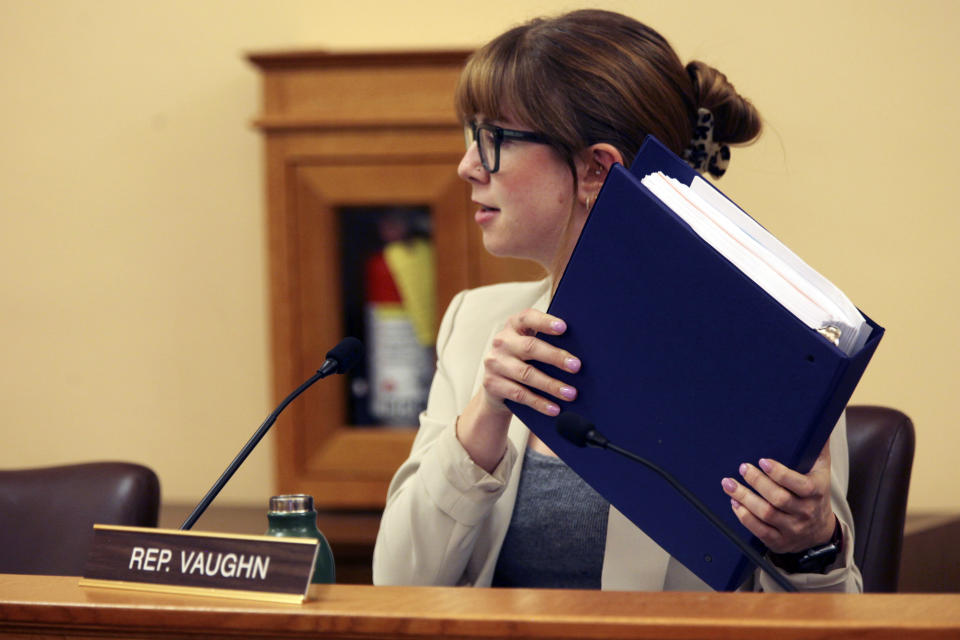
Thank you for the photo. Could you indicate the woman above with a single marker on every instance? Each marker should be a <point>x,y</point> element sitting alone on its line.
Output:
<point>550,106</point>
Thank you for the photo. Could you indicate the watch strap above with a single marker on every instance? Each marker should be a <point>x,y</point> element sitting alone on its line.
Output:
<point>815,559</point>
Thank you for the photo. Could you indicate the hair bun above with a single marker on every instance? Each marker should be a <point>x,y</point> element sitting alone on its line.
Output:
<point>736,120</point>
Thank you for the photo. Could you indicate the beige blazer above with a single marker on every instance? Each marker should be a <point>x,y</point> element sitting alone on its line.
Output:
<point>446,518</point>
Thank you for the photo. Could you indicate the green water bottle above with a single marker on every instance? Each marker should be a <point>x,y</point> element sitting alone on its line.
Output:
<point>293,516</point>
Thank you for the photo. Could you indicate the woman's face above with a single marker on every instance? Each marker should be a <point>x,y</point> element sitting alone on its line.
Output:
<point>528,208</point>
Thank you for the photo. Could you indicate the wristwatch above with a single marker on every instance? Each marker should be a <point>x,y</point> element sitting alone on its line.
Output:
<point>813,560</point>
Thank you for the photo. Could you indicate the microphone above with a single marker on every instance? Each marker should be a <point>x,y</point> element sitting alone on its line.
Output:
<point>576,430</point>
<point>339,359</point>
<point>342,357</point>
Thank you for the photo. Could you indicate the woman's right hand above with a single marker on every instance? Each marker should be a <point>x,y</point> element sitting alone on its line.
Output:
<point>510,375</point>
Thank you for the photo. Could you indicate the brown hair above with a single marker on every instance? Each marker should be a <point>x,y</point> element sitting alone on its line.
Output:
<point>595,76</point>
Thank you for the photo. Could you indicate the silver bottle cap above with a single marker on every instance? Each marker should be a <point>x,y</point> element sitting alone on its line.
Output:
<point>292,503</point>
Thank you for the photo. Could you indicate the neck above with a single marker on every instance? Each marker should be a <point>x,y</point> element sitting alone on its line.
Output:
<point>559,263</point>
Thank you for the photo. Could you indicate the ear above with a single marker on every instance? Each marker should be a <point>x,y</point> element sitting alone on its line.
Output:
<point>593,166</point>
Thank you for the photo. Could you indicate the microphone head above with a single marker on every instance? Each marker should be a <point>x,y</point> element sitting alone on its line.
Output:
<point>574,428</point>
<point>346,354</point>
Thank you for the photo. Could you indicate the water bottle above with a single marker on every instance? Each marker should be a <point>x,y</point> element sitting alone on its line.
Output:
<point>293,516</point>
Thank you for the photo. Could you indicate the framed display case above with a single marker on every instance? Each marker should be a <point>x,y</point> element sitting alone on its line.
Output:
<point>361,152</point>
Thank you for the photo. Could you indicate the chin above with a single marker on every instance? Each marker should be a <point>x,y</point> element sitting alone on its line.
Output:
<point>497,247</point>
<point>507,250</point>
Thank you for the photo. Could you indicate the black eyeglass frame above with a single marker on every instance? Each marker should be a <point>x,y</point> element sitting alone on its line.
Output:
<point>499,135</point>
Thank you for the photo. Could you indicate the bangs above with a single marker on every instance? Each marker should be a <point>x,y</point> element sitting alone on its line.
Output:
<point>491,74</point>
<point>478,91</point>
<point>519,77</point>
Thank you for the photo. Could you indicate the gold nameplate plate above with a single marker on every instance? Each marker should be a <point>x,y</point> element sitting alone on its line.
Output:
<point>212,564</point>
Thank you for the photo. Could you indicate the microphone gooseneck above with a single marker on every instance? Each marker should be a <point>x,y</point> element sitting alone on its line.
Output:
<point>575,429</point>
<point>339,359</point>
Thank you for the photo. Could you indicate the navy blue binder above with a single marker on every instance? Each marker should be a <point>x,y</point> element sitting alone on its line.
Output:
<point>686,362</point>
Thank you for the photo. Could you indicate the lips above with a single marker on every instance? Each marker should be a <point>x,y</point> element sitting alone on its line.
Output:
<point>485,214</point>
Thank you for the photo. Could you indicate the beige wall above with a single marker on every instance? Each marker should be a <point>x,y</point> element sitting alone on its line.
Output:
<point>132,266</point>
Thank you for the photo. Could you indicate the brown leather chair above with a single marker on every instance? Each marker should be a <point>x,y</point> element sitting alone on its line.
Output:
<point>48,513</point>
<point>881,443</point>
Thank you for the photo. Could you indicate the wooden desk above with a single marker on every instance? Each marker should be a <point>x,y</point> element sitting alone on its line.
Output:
<point>56,607</point>
<point>930,562</point>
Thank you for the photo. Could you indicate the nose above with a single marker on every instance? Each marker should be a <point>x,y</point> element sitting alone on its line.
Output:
<point>471,168</point>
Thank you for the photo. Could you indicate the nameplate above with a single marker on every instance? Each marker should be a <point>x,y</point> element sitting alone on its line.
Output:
<point>198,563</point>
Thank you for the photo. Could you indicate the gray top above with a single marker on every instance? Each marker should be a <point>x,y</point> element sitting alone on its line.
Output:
<point>558,530</point>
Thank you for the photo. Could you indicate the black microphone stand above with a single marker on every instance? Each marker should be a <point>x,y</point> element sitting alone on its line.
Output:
<point>247,448</point>
<point>339,359</point>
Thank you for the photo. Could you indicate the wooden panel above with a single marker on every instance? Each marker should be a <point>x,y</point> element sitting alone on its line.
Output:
<point>336,463</point>
<point>349,130</point>
<point>387,89</point>
<point>930,561</point>
<point>55,607</point>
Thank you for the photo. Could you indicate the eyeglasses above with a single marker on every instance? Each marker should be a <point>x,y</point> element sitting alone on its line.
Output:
<point>490,137</point>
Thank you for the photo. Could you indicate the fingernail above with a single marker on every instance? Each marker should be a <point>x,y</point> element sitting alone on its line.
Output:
<point>572,364</point>
<point>734,503</point>
<point>766,465</point>
<point>743,469</point>
<point>553,409</point>
<point>559,326</point>
<point>568,392</point>
<point>729,484</point>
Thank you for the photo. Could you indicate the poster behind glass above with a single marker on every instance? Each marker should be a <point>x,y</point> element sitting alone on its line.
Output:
<point>389,290</point>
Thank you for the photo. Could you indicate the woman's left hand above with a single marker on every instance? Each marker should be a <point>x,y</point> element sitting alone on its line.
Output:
<point>787,510</point>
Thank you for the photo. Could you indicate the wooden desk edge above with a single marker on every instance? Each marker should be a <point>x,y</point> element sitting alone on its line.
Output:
<point>59,607</point>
